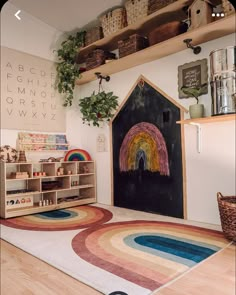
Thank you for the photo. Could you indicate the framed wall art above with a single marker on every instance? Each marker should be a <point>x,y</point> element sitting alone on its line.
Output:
<point>193,75</point>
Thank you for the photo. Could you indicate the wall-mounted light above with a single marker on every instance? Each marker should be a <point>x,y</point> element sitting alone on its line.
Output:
<point>196,49</point>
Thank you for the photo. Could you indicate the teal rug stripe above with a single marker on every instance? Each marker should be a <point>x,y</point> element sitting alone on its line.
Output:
<point>175,247</point>
<point>130,241</point>
<point>56,215</point>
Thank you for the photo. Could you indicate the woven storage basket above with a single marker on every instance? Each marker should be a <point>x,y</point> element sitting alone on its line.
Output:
<point>113,21</point>
<point>132,44</point>
<point>98,57</point>
<point>166,31</point>
<point>136,9</point>
<point>228,8</point>
<point>227,208</point>
<point>154,5</point>
<point>93,35</point>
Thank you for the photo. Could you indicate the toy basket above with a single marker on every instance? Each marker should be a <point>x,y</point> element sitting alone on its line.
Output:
<point>113,21</point>
<point>167,31</point>
<point>227,208</point>
<point>93,34</point>
<point>154,5</point>
<point>132,44</point>
<point>98,57</point>
<point>228,8</point>
<point>136,9</point>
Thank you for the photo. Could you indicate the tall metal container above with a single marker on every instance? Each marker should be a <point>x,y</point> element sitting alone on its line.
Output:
<point>223,80</point>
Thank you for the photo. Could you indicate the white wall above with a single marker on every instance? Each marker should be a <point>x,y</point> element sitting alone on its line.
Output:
<point>31,36</point>
<point>208,172</point>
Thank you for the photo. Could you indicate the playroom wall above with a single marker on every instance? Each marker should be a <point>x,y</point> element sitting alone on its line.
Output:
<point>207,172</point>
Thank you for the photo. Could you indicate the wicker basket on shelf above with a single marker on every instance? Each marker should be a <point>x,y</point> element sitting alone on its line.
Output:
<point>93,34</point>
<point>227,208</point>
<point>98,57</point>
<point>135,10</point>
<point>154,5</point>
<point>113,21</point>
<point>228,7</point>
<point>132,44</point>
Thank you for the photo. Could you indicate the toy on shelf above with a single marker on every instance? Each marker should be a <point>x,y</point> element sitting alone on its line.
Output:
<point>8,154</point>
<point>42,142</point>
<point>77,155</point>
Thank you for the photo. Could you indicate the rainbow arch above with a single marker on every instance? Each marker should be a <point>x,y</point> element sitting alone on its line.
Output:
<point>77,155</point>
<point>144,142</point>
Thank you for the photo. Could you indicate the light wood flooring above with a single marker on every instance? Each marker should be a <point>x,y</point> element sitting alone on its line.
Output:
<point>23,274</point>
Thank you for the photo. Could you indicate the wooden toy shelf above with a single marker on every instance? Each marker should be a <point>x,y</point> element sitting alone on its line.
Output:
<point>76,186</point>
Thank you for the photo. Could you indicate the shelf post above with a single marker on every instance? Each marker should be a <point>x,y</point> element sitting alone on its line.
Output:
<point>199,136</point>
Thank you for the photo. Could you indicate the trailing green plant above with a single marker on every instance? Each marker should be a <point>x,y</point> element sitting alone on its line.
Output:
<point>67,68</point>
<point>98,108</point>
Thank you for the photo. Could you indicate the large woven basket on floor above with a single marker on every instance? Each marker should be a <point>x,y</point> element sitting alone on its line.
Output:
<point>227,208</point>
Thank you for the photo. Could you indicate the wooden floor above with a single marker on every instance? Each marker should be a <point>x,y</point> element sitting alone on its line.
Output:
<point>23,274</point>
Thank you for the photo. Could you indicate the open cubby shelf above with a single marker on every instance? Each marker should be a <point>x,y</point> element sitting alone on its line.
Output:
<point>26,195</point>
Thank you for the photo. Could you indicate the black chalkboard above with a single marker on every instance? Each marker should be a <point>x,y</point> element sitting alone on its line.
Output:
<point>136,185</point>
<point>192,76</point>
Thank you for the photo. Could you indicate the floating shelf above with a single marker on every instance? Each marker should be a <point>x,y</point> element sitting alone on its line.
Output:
<point>198,121</point>
<point>141,26</point>
<point>214,30</point>
<point>219,118</point>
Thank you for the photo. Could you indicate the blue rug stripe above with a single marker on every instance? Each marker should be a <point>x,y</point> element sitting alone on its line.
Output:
<point>198,243</point>
<point>56,215</point>
<point>129,241</point>
<point>175,247</point>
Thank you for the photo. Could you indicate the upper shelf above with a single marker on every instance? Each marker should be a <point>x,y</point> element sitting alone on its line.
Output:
<point>219,118</point>
<point>200,35</point>
<point>142,26</point>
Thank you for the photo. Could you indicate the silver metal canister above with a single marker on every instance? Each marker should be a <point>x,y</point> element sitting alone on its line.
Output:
<point>223,80</point>
<point>222,61</point>
<point>223,92</point>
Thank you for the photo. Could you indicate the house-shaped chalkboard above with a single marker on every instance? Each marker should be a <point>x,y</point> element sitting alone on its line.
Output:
<point>147,152</point>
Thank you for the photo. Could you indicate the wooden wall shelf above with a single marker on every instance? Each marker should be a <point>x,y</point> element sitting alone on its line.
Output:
<point>199,121</point>
<point>220,118</point>
<point>214,30</point>
<point>142,26</point>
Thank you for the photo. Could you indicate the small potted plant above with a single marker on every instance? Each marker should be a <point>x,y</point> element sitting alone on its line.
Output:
<point>98,108</point>
<point>195,110</point>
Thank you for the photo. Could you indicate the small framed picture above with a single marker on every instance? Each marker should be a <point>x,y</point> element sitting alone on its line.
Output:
<point>193,74</point>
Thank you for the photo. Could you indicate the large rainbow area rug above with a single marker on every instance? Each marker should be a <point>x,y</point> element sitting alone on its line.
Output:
<point>133,257</point>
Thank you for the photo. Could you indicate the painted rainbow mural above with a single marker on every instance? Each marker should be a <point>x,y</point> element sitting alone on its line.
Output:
<point>77,155</point>
<point>144,142</point>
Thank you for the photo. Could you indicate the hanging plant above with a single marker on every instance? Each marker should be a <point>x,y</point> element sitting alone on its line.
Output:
<point>98,107</point>
<point>67,69</point>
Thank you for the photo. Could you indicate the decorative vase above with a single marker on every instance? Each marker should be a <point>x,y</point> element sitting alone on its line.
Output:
<point>196,111</point>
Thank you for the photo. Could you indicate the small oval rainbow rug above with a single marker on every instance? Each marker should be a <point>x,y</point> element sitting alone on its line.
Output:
<point>146,253</point>
<point>66,219</point>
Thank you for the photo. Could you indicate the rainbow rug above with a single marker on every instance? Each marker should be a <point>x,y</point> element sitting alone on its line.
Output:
<point>110,250</point>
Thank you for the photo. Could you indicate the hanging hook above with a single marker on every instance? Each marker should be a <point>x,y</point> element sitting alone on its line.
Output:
<point>196,49</point>
<point>99,76</point>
